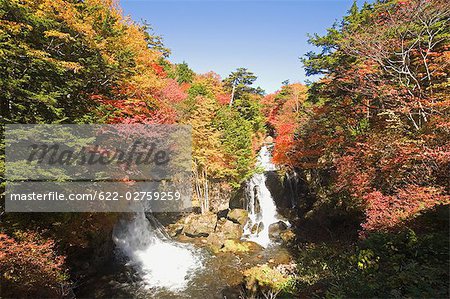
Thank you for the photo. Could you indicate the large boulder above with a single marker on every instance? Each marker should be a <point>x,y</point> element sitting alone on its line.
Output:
<point>225,231</point>
<point>229,229</point>
<point>199,225</point>
<point>215,241</point>
<point>239,216</point>
<point>275,229</point>
<point>235,246</point>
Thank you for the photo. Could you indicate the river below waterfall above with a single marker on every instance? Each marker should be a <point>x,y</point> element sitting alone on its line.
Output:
<point>217,276</point>
<point>149,264</point>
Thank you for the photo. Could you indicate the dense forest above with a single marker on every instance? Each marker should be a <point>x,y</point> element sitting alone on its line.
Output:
<point>369,142</point>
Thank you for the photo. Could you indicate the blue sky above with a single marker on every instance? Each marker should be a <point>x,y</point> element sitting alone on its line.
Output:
<point>267,37</point>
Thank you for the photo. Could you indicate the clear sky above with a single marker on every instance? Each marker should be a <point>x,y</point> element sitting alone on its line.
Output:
<point>265,36</point>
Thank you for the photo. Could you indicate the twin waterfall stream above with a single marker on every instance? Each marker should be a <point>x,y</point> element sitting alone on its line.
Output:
<point>260,204</point>
<point>168,265</point>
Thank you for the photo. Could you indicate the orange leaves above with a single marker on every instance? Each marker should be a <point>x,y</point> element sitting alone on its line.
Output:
<point>139,111</point>
<point>352,177</point>
<point>223,98</point>
<point>389,212</point>
<point>208,151</point>
<point>135,77</point>
<point>30,264</point>
<point>376,128</point>
<point>283,110</point>
<point>283,145</point>
<point>214,84</point>
<point>395,177</point>
<point>159,70</point>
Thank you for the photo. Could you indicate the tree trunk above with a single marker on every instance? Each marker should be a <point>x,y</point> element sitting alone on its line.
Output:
<point>232,95</point>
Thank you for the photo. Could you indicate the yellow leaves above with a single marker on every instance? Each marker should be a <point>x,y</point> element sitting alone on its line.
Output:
<point>64,11</point>
<point>68,65</point>
<point>146,81</point>
<point>207,148</point>
<point>13,28</point>
<point>37,53</point>
<point>89,19</point>
<point>60,35</point>
<point>212,81</point>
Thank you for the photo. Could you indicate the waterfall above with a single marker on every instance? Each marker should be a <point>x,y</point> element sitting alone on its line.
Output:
<point>161,262</point>
<point>260,204</point>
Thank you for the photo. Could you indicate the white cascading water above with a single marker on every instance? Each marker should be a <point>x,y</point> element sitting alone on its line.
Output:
<point>259,194</point>
<point>161,262</point>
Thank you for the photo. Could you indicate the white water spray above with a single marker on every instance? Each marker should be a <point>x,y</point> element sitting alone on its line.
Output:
<point>260,204</point>
<point>161,262</point>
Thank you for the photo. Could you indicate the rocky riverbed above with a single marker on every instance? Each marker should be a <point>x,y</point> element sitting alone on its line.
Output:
<point>231,267</point>
<point>223,231</point>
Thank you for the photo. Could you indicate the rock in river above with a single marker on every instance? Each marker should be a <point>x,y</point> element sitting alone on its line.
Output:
<point>239,216</point>
<point>275,230</point>
<point>229,229</point>
<point>199,225</point>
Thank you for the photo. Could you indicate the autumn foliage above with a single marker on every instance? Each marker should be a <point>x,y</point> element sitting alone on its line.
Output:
<point>30,267</point>
<point>284,110</point>
<point>379,120</point>
<point>85,62</point>
<point>372,135</point>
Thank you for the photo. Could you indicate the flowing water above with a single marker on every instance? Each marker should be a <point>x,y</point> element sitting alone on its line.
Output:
<point>150,264</point>
<point>161,262</point>
<point>260,204</point>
